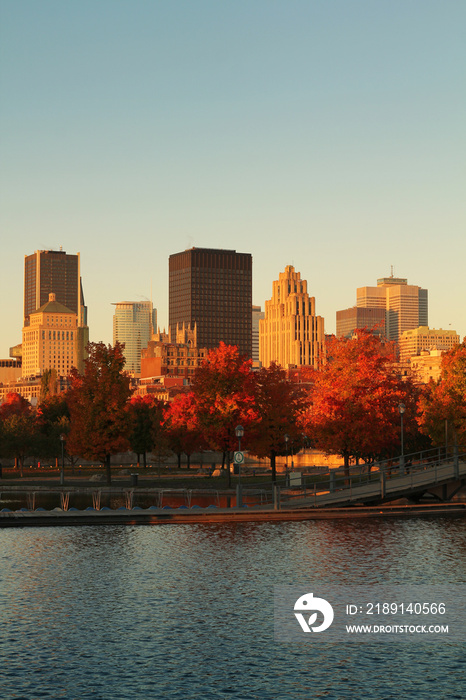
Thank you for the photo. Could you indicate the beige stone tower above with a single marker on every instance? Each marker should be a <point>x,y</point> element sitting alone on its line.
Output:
<point>291,334</point>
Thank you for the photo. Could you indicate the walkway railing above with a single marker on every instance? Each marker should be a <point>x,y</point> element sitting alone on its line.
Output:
<point>362,483</point>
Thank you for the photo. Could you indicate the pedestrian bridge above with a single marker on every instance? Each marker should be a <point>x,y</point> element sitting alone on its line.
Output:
<point>436,475</point>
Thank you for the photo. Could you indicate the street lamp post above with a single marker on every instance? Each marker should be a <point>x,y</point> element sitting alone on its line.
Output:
<point>402,409</point>
<point>287,438</point>
<point>62,473</point>
<point>239,432</point>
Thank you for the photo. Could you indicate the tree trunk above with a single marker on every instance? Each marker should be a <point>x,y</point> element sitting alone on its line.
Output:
<point>108,469</point>
<point>144,459</point>
<point>179,460</point>
<point>273,465</point>
<point>188,457</point>
<point>346,464</point>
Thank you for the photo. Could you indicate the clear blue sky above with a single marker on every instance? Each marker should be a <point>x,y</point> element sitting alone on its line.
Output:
<point>328,134</point>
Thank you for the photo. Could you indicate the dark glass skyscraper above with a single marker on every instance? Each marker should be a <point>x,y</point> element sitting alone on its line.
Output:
<point>212,290</point>
<point>53,271</point>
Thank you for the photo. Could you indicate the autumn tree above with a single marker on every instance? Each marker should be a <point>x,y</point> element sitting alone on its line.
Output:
<point>279,404</point>
<point>354,403</point>
<point>223,391</point>
<point>184,434</point>
<point>17,428</point>
<point>147,431</point>
<point>443,405</point>
<point>97,404</point>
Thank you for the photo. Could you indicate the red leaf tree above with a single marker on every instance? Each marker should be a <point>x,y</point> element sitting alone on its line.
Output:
<point>279,404</point>
<point>223,391</point>
<point>97,403</point>
<point>354,401</point>
<point>183,430</point>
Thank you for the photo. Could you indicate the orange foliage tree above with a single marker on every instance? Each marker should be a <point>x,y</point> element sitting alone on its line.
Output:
<point>223,392</point>
<point>97,403</point>
<point>354,402</point>
<point>443,405</point>
<point>279,404</point>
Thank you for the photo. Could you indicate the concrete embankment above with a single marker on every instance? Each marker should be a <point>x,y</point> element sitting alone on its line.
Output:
<point>161,516</point>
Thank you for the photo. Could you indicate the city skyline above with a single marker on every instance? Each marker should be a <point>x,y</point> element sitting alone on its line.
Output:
<point>327,137</point>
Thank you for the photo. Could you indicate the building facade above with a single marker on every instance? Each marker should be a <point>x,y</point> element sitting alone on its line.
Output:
<point>405,305</point>
<point>414,341</point>
<point>167,357</point>
<point>291,334</point>
<point>133,324</point>
<point>212,290</point>
<point>349,320</point>
<point>51,340</point>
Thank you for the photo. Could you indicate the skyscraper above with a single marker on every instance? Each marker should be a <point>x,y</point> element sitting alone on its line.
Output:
<point>370,318</point>
<point>211,290</point>
<point>257,315</point>
<point>51,340</point>
<point>133,324</point>
<point>291,334</point>
<point>406,306</point>
<point>53,272</point>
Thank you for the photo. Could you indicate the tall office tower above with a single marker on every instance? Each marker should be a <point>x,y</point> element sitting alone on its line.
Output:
<point>405,305</point>
<point>414,341</point>
<point>51,340</point>
<point>133,324</point>
<point>291,334</point>
<point>211,290</point>
<point>257,315</point>
<point>348,320</point>
<point>53,272</point>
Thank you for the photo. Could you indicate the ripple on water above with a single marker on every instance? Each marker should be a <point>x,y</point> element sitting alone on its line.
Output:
<point>187,611</point>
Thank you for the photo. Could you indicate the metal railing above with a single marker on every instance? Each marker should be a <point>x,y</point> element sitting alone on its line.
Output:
<point>405,473</point>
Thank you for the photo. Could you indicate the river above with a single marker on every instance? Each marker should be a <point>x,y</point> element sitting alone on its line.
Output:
<point>186,611</point>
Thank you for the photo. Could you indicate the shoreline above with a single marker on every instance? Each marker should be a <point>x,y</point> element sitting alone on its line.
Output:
<point>197,515</point>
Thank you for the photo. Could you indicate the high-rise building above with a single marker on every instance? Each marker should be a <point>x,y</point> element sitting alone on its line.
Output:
<point>211,290</point>
<point>51,340</point>
<point>53,272</point>
<point>133,324</point>
<point>257,315</point>
<point>372,319</point>
<point>406,306</point>
<point>414,341</point>
<point>291,334</point>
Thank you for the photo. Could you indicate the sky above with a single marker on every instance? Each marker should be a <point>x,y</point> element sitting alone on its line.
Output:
<point>324,134</point>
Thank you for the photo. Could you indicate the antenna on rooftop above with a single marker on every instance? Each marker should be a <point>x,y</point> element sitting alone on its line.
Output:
<point>391,269</point>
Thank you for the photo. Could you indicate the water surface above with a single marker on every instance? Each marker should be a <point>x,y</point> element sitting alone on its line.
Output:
<point>186,611</point>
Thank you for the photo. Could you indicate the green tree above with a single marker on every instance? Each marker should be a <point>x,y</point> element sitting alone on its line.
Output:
<point>146,424</point>
<point>97,402</point>
<point>53,420</point>
<point>17,428</point>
